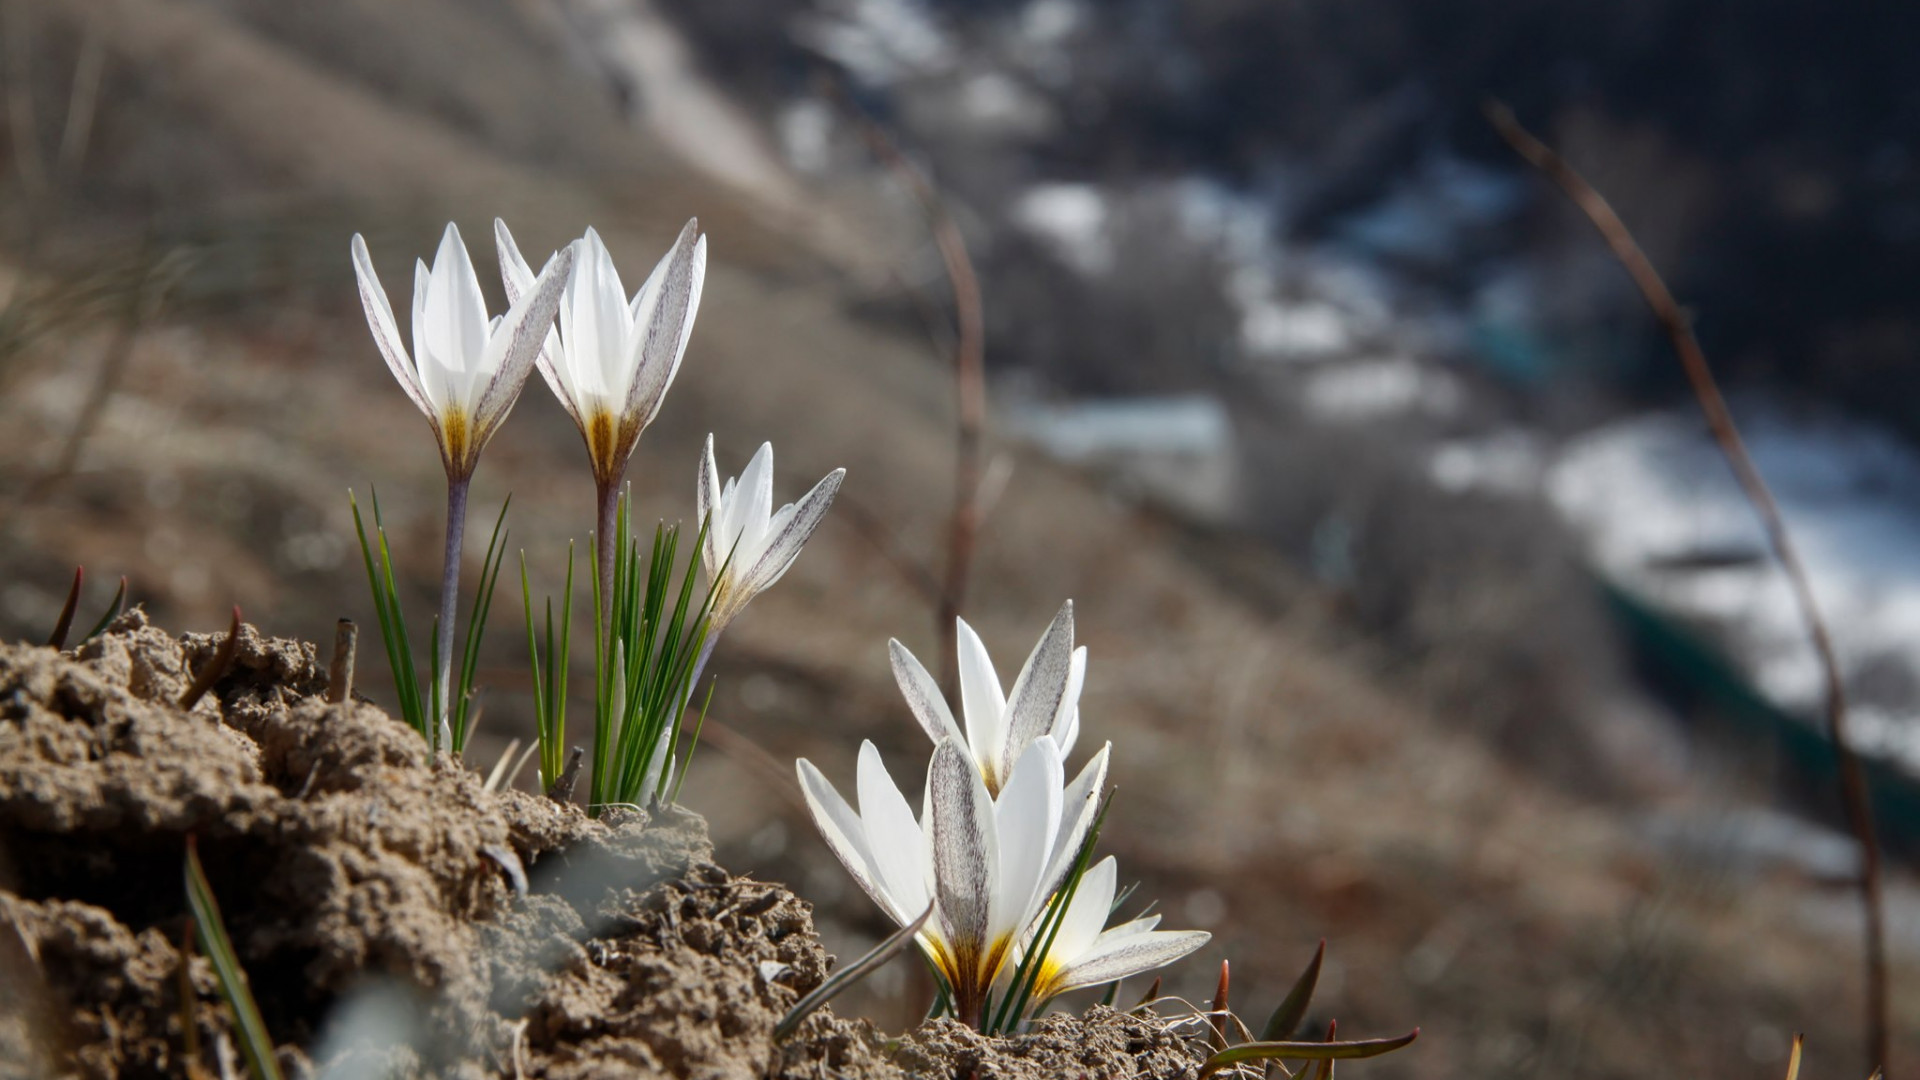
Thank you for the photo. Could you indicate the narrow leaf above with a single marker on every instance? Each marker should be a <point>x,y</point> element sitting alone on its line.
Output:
<point>1285,1021</point>
<point>851,974</point>
<point>254,1040</point>
<point>114,608</point>
<point>1304,1051</point>
<point>1324,1071</point>
<point>63,624</point>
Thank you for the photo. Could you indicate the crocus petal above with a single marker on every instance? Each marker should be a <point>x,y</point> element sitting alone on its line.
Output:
<point>1034,703</point>
<point>1079,805</point>
<point>753,505</point>
<point>923,695</point>
<point>593,336</point>
<point>1026,816</point>
<point>518,279</point>
<point>432,371</point>
<point>662,316</point>
<point>788,532</point>
<point>1092,903</point>
<point>1066,726</point>
<point>516,343</point>
<point>386,332</point>
<point>707,504</point>
<point>844,833</point>
<point>982,703</point>
<point>965,853</point>
<point>1128,955</point>
<point>895,841</point>
<point>456,314</point>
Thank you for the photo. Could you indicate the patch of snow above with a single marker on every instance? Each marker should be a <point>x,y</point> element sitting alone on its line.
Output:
<point>1375,389</point>
<point>1072,219</point>
<point>1306,330</point>
<point>1089,430</point>
<point>806,127</point>
<point>1664,517</point>
<point>1051,22</point>
<point>1505,463</point>
<point>879,42</point>
<point>1177,450</point>
<point>1753,841</point>
<point>995,104</point>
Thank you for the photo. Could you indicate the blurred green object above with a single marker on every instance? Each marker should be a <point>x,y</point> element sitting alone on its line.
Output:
<point>1698,678</point>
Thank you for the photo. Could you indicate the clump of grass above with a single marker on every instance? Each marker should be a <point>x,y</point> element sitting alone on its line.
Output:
<point>421,705</point>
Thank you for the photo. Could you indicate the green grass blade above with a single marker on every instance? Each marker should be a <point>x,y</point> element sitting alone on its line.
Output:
<point>1285,1021</point>
<point>255,1043</point>
<point>386,606</point>
<point>490,565</point>
<point>693,744</point>
<point>558,665</point>
<point>538,671</point>
<point>114,607</point>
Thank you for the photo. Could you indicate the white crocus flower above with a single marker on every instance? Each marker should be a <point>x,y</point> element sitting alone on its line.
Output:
<point>749,543</point>
<point>613,357</point>
<point>1045,699</point>
<point>465,373</point>
<point>986,864</point>
<point>466,370</point>
<point>1086,953</point>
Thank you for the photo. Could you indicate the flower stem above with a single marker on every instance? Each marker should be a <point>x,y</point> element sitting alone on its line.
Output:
<point>608,493</point>
<point>449,601</point>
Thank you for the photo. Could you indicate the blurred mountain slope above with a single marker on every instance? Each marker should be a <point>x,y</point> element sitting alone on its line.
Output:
<point>1268,787</point>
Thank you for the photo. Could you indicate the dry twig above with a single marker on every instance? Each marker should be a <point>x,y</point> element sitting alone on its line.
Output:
<point>1679,328</point>
<point>346,640</point>
<point>970,390</point>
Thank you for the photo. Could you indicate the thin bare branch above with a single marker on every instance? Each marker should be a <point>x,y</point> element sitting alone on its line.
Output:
<point>970,388</point>
<point>1679,329</point>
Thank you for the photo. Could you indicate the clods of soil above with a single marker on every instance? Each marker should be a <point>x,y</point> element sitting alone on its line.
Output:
<point>394,917</point>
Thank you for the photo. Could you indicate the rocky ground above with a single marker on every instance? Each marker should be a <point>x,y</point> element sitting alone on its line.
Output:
<point>394,917</point>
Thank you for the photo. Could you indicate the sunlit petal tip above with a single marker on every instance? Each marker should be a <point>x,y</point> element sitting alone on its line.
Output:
<point>1033,705</point>
<point>516,343</point>
<point>1131,954</point>
<point>386,331</point>
<point>965,847</point>
<point>923,694</point>
<point>515,274</point>
<point>844,833</point>
<point>983,704</point>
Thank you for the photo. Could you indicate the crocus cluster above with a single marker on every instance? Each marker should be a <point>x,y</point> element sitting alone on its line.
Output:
<point>609,358</point>
<point>999,835</point>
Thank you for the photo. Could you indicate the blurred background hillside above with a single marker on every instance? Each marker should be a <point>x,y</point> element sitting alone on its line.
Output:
<point>1423,615</point>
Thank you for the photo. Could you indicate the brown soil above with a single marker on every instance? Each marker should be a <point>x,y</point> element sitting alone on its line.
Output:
<point>371,891</point>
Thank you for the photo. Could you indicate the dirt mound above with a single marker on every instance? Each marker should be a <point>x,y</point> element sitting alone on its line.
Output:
<point>394,917</point>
